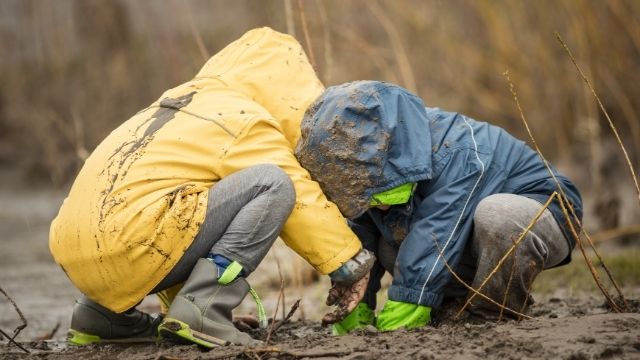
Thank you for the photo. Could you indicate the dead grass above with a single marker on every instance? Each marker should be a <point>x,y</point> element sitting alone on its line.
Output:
<point>77,70</point>
<point>576,278</point>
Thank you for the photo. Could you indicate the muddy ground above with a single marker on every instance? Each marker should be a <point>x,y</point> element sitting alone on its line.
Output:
<point>568,326</point>
<point>563,329</point>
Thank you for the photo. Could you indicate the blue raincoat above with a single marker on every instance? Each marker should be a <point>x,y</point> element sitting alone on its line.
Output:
<point>362,138</point>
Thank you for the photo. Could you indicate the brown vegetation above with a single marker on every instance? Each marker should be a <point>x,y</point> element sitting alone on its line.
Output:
<point>74,71</point>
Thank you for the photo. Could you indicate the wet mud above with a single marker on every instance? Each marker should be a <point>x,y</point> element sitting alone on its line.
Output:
<point>576,328</point>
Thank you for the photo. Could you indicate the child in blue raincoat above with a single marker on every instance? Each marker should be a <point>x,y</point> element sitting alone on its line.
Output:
<point>423,187</point>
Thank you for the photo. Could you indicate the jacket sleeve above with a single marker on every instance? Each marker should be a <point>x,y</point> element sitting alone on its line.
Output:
<point>316,229</point>
<point>441,222</point>
<point>369,235</point>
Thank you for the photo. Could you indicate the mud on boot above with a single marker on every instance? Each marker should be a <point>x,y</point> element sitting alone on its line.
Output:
<point>201,312</point>
<point>92,323</point>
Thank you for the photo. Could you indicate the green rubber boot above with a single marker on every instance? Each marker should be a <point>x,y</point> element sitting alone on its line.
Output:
<point>201,312</point>
<point>92,323</point>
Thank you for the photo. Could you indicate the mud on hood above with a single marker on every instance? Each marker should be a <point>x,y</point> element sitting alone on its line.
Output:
<point>272,69</point>
<point>362,138</point>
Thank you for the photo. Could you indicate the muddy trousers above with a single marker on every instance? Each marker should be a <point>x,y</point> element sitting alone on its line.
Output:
<point>499,220</point>
<point>245,214</point>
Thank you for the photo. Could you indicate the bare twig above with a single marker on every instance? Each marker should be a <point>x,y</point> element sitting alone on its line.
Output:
<point>305,30</point>
<point>590,265</point>
<point>531,278</point>
<point>12,341</point>
<point>506,291</point>
<point>470,288</point>
<point>288,14</point>
<point>286,319</point>
<point>20,314</point>
<point>606,114</point>
<point>395,39</point>
<point>612,234</point>
<point>195,33</point>
<point>280,296</point>
<point>565,204</point>
<point>328,49</point>
<point>508,253</point>
<point>50,334</point>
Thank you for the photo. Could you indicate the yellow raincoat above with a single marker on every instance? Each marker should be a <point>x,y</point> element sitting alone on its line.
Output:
<point>141,196</point>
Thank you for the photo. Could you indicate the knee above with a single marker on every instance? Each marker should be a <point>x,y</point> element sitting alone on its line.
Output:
<point>492,213</point>
<point>500,220</point>
<point>279,183</point>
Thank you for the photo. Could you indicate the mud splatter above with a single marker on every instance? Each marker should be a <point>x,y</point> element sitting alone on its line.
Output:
<point>339,162</point>
<point>126,154</point>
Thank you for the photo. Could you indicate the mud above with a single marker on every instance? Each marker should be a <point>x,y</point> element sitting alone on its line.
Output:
<point>563,329</point>
<point>566,327</point>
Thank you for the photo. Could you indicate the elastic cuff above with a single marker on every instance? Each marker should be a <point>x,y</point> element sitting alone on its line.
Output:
<point>247,265</point>
<point>344,255</point>
<point>407,295</point>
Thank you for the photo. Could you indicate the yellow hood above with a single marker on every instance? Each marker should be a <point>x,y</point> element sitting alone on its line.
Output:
<point>272,69</point>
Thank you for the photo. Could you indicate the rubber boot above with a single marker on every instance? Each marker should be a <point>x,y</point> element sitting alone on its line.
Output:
<point>201,312</point>
<point>93,323</point>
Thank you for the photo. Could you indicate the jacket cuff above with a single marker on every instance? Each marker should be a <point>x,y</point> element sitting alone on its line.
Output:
<point>344,255</point>
<point>407,295</point>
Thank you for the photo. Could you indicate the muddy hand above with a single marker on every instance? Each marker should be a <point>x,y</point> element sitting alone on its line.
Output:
<point>346,298</point>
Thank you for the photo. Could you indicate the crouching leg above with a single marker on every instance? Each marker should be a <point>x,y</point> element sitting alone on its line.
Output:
<point>499,221</point>
<point>245,214</point>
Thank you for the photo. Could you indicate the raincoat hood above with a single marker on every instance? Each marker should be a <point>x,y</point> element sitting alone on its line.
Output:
<point>362,138</point>
<point>272,69</point>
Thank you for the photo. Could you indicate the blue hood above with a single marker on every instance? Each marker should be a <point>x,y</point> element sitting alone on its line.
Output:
<point>362,138</point>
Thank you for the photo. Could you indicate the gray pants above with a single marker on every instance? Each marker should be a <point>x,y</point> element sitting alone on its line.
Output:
<point>499,220</point>
<point>245,214</point>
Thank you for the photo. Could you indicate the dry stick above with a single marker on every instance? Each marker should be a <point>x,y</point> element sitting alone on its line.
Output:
<point>631,170</point>
<point>506,291</point>
<point>591,267</point>
<point>22,318</point>
<point>470,288</point>
<point>328,49</point>
<point>288,14</point>
<point>195,33</point>
<point>615,233</point>
<point>305,30</point>
<point>561,199</point>
<point>11,341</point>
<point>50,334</point>
<point>298,280</point>
<point>526,296</point>
<point>408,78</point>
<point>293,309</point>
<point>606,114</point>
<point>508,253</point>
<point>606,269</point>
<point>564,202</point>
<point>280,296</point>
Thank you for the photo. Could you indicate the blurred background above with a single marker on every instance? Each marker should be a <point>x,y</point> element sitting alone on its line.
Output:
<point>73,70</point>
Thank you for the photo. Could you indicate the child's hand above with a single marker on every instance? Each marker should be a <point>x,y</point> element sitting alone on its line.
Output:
<point>346,298</point>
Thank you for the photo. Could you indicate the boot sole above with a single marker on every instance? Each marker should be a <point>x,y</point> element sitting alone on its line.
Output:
<point>179,332</point>
<point>78,338</point>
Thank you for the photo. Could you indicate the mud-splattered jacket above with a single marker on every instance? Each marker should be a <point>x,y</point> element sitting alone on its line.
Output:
<point>141,196</point>
<point>366,137</point>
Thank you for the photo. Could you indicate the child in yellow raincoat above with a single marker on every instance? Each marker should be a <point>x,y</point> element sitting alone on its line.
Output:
<point>194,189</point>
